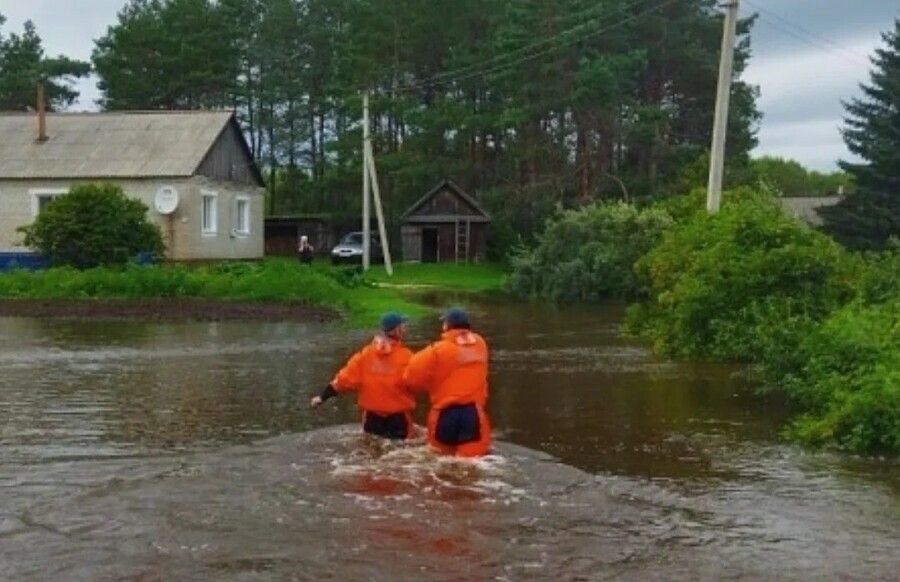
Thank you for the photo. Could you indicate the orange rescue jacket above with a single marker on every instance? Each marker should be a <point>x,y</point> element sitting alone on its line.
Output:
<point>377,372</point>
<point>453,370</point>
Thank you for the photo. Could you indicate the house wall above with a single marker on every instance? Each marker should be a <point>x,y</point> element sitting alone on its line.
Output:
<point>411,236</point>
<point>478,243</point>
<point>181,230</point>
<point>445,201</point>
<point>228,159</point>
<point>411,243</point>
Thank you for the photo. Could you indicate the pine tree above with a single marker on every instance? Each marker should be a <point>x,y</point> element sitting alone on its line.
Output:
<point>23,64</point>
<point>166,54</point>
<point>871,216</point>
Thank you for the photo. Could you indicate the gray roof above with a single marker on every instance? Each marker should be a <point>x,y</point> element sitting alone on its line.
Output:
<point>806,207</point>
<point>108,145</point>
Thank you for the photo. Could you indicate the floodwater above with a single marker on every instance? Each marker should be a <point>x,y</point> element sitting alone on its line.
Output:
<point>132,451</point>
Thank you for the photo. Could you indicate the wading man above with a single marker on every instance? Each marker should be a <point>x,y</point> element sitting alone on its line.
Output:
<point>454,372</point>
<point>376,373</point>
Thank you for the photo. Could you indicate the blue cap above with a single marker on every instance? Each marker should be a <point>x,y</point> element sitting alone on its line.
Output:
<point>390,321</point>
<point>455,316</point>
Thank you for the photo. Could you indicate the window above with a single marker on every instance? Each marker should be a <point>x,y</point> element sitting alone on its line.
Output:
<point>242,215</point>
<point>209,213</point>
<point>41,197</point>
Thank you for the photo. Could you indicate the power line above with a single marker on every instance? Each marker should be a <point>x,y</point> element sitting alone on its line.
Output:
<point>541,43</point>
<point>450,77</point>
<point>811,38</point>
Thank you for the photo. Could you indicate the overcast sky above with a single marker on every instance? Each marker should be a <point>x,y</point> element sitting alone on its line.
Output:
<point>803,73</point>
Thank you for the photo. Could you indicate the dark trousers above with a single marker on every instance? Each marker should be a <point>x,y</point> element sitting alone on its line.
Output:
<point>392,426</point>
<point>458,424</point>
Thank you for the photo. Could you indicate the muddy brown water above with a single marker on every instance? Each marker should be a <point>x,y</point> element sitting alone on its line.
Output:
<point>167,451</point>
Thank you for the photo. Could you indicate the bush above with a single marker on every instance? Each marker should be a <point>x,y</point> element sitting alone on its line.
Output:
<point>743,285</point>
<point>588,254</point>
<point>849,383</point>
<point>93,225</point>
<point>880,278</point>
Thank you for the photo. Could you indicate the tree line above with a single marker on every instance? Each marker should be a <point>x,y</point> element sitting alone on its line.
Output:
<point>531,104</point>
<point>533,101</point>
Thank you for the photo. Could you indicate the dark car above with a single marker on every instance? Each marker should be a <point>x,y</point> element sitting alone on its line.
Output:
<point>350,249</point>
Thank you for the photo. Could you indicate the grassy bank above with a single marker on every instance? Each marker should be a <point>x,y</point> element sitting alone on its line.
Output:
<point>479,278</point>
<point>361,299</point>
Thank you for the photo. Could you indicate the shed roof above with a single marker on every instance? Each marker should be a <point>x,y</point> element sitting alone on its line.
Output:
<point>482,214</point>
<point>806,207</point>
<point>109,145</point>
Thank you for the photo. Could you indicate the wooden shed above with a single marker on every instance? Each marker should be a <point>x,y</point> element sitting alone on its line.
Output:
<point>445,225</point>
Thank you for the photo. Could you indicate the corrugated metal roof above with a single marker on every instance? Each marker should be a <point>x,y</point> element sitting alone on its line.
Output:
<point>108,145</point>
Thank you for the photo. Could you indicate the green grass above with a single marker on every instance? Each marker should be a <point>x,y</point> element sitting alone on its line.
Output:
<point>478,278</point>
<point>361,299</point>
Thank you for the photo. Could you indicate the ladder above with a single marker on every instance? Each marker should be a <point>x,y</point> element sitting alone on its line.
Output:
<point>463,233</point>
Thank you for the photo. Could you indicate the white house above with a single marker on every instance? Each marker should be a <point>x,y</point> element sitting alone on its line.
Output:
<point>193,169</point>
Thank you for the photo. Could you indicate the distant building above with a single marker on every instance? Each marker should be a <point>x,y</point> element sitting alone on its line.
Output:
<point>806,208</point>
<point>197,158</point>
<point>445,225</point>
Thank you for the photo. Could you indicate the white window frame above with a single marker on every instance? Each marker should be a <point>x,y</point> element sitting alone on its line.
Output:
<point>214,219</point>
<point>38,193</point>
<point>246,215</point>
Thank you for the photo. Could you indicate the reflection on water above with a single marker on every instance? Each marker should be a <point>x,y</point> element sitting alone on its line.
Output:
<point>152,452</point>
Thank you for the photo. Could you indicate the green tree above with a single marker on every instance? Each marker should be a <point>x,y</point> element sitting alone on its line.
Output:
<point>589,254</point>
<point>93,225</point>
<point>870,217</point>
<point>786,177</point>
<point>741,285</point>
<point>790,178</point>
<point>23,64</point>
<point>537,102</point>
<point>166,54</point>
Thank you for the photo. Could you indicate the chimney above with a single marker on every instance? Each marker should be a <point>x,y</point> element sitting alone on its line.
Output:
<point>42,113</point>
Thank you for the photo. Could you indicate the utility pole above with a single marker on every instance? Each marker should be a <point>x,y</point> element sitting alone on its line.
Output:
<point>379,212</point>
<point>367,235</point>
<point>723,96</point>
<point>370,183</point>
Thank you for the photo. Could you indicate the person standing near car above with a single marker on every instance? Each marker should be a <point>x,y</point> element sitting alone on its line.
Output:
<point>376,373</point>
<point>305,251</point>
<point>454,373</point>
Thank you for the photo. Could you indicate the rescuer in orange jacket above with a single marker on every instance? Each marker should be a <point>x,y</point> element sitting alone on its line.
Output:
<point>454,371</point>
<point>376,372</point>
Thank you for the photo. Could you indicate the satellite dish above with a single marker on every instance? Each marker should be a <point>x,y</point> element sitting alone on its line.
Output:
<point>166,200</point>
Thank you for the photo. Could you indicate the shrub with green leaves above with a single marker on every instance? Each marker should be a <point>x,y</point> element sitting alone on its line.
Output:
<point>588,254</point>
<point>93,225</point>
<point>880,278</point>
<point>849,383</point>
<point>742,285</point>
